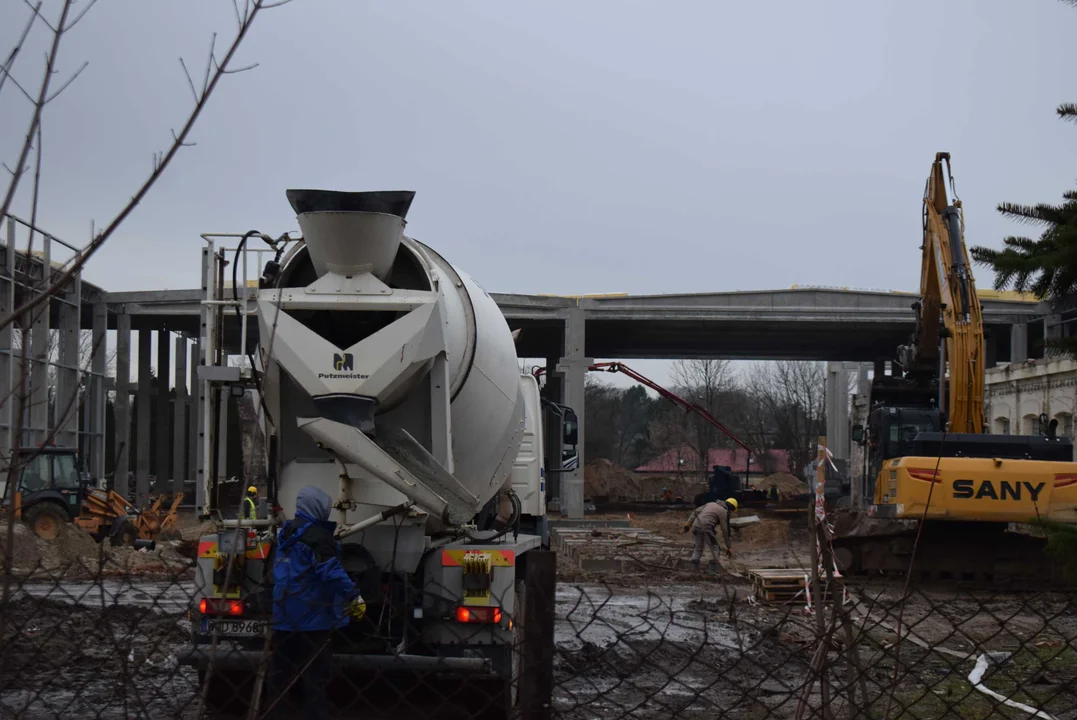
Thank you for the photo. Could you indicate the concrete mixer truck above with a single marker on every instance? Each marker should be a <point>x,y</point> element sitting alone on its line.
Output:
<point>389,379</point>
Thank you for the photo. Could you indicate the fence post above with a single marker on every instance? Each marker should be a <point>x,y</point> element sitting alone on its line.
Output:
<point>535,693</point>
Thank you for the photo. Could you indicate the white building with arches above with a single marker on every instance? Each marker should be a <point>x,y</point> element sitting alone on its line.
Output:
<point>1018,394</point>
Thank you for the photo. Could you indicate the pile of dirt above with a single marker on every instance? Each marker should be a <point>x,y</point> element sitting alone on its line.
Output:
<point>73,546</point>
<point>601,478</point>
<point>74,553</point>
<point>786,484</point>
<point>768,532</point>
<point>652,488</point>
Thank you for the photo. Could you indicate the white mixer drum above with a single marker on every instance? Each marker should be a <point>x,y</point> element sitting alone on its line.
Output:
<point>486,407</point>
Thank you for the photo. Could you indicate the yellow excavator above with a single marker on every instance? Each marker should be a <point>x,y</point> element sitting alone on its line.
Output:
<point>934,478</point>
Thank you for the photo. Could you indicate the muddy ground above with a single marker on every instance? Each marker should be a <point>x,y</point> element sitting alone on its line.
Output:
<point>657,642</point>
<point>107,649</point>
<point>66,660</point>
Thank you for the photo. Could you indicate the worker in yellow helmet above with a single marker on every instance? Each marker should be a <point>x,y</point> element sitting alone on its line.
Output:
<point>250,504</point>
<point>707,518</point>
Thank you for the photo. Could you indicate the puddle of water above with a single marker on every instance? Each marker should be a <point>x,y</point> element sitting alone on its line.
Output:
<point>603,616</point>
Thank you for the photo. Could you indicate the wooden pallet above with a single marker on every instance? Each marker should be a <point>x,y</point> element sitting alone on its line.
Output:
<point>783,585</point>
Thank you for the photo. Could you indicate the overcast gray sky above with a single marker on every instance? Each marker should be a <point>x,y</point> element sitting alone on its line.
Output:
<point>583,147</point>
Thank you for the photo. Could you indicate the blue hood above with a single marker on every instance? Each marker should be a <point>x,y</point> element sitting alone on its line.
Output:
<point>313,504</point>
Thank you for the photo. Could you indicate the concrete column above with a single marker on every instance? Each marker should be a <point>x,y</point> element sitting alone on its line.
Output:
<point>142,398</point>
<point>179,421</point>
<point>573,371</point>
<point>1018,342</point>
<point>121,482</point>
<point>68,370</point>
<point>205,337</point>
<point>193,416</point>
<point>98,397</point>
<point>162,458</point>
<point>8,401</point>
<point>38,400</point>
<point>1052,327</point>
<point>860,409</point>
<point>837,410</point>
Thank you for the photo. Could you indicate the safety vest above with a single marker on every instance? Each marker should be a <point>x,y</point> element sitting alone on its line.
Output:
<point>252,510</point>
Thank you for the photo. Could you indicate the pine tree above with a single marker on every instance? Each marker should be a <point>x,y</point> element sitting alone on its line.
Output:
<point>1046,267</point>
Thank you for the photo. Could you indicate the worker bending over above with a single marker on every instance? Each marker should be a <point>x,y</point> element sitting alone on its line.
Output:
<point>706,519</point>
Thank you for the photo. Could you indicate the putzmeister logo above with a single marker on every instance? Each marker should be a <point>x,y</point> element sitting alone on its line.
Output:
<point>343,368</point>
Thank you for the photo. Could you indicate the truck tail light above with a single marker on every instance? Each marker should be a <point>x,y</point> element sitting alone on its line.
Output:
<point>220,606</point>
<point>478,615</point>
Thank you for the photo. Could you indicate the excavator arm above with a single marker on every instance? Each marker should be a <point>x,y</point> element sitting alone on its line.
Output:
<point>948,310</point>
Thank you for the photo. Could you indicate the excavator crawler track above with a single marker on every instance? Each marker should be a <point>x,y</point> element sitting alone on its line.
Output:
<point>945,552</point>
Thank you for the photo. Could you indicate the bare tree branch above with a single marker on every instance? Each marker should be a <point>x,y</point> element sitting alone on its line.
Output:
<point>9,64</point>
<point>38,107</point>
<point>161,162</point>
<point>81,15</point>
<point>19,87</point>
<point>37,12</point>
<point>190,82</point>
<point>64,86</point>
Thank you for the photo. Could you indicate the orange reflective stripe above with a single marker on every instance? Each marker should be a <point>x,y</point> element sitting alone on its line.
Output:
<point>498,558</point>
<point>259,552</point>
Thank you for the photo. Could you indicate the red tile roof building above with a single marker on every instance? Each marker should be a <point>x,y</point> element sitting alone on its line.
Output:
<point>686,461</point>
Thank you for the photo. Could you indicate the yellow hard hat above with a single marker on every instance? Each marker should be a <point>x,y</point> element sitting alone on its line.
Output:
<point>733,502</point>
<point>252,489</point>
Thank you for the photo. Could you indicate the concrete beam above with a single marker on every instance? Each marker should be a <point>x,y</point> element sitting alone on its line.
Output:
<point>68,370</point>
<point>1019,342</point>
<point>38,400</point>
<point>121,481</point>
<point>8,363</point>
<point>162,465</point>
<point>179,419</point>
<point>193,418</point>
<point>837,409</point>
<point>572,370</point>
<point>142,400</point>
<point>98,396</point>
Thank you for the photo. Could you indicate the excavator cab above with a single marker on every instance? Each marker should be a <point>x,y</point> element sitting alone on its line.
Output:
<point>892,433</point>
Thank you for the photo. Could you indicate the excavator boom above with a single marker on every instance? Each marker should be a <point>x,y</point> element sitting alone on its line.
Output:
<point>949,309</point>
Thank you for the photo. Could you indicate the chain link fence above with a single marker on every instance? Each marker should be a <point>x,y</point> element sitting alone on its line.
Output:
<point>97,631</point>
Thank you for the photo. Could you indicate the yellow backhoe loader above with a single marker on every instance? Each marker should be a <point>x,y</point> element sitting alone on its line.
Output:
<point>53,490</point>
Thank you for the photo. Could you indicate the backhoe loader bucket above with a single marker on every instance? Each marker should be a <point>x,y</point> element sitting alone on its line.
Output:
<point>153,523</point>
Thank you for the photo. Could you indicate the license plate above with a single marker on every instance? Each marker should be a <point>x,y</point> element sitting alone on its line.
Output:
<point>234,628</point>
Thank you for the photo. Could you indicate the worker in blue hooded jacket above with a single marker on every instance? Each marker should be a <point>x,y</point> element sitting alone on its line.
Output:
<point>312,597</point>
